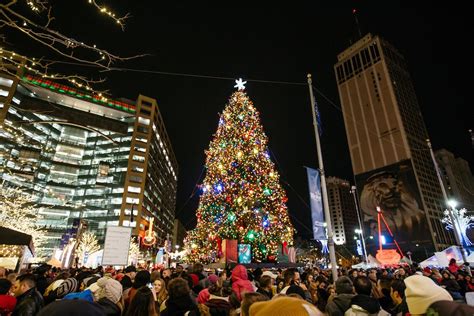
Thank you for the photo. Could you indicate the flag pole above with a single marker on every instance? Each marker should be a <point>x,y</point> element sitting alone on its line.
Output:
<point>332,251</point>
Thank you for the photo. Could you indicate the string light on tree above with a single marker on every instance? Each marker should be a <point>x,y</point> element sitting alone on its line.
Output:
<point>18,211</point>
<point>243,200</point>
<point>133,251</point>
<point>462,221</point>
<point>87,245</point>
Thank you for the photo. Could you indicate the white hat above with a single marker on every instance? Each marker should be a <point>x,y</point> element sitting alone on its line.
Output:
<point>421,292</point>
<point>270,274</point>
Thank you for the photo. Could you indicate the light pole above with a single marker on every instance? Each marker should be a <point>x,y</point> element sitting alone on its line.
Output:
<point>360,230</point>
<point>327,214</point>
<point>452,205</point>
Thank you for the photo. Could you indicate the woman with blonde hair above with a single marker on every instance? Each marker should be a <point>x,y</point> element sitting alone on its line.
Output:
<point>160,293</point>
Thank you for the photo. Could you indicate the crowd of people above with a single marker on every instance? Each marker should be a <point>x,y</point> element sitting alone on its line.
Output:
<point>402,291</point>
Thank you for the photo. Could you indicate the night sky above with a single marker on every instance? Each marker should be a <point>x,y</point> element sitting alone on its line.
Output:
<point>274,43</point>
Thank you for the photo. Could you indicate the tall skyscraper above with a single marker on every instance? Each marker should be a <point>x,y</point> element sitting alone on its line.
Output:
<point>343,212</point>
<point>457,177</point>
<point>106,162</point>
<point>387,142</point>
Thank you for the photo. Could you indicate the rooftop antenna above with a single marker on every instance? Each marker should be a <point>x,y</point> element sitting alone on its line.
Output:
<point>354,13</point>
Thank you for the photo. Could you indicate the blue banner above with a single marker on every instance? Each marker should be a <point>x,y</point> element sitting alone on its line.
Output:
<point>317,215</point>
<point>245,253</point>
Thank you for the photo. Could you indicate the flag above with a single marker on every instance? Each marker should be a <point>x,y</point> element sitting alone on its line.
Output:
<point>317,215</point>
<point>318,117</point>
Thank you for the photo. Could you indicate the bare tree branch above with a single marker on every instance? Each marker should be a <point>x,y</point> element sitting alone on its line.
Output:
<point>38,28</point>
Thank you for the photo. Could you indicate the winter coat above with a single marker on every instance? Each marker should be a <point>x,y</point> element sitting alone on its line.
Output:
<point>180,306</point>
<point>339,304</point>
<point>268,294</point>
<point>450,284</point>
<point>7,304</point>
<point>240,282</point>
<point>400,309</point>
<point>203,296</point>
<point>363,305</point>
<point>109,307</point>
<point>28,303</point>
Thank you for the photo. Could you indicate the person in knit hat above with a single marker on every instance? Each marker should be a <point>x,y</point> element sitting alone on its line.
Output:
<point>421,292</point>
<point>283,306</point>
<point>109,296</point>
<point>204,295</point>
<point>68,286</point>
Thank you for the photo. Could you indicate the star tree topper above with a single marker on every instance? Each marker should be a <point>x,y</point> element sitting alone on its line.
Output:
<point>240,85</point>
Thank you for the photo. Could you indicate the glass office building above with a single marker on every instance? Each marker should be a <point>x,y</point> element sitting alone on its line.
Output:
<point>83,156</point>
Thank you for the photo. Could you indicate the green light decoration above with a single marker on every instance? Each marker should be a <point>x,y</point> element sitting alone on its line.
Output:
<point>267,191</point>
<point>231,217</point>
<point>251,235</point>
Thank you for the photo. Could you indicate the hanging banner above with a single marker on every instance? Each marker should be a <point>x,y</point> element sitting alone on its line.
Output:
<point>245,253</point>
<point>317,215</point>
<point>359,247</point>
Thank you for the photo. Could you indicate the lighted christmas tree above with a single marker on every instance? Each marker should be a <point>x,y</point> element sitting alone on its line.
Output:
<point>241,196</point>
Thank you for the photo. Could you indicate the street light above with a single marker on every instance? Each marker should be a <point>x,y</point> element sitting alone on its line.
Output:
<point>453,214</point>
<point>359,230</point>
<point>453,203</point>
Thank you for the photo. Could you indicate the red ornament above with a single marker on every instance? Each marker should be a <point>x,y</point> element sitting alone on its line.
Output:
<point>285,199</point>
<point>228,199</point>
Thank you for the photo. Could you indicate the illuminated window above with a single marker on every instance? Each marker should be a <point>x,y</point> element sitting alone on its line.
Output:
<point>143,120</point>
<point>138,158</point>
<point>134,189</point>
<point>6,82</point>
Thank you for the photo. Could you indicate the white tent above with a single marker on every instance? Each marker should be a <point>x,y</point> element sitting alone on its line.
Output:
<point>372,263</point>
<point>441,259</point>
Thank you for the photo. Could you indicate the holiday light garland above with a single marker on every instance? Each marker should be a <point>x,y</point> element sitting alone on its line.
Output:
<point>241,195</point>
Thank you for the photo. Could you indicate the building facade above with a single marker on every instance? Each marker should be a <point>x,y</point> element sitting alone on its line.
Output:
<point>83,156</point>
<point>343,212</point>
<point>387,142</point>
<point>457,178</point>
<point>179,232</point>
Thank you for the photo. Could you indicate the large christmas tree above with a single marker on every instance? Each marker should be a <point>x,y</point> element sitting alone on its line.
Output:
<point>241,196</point>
